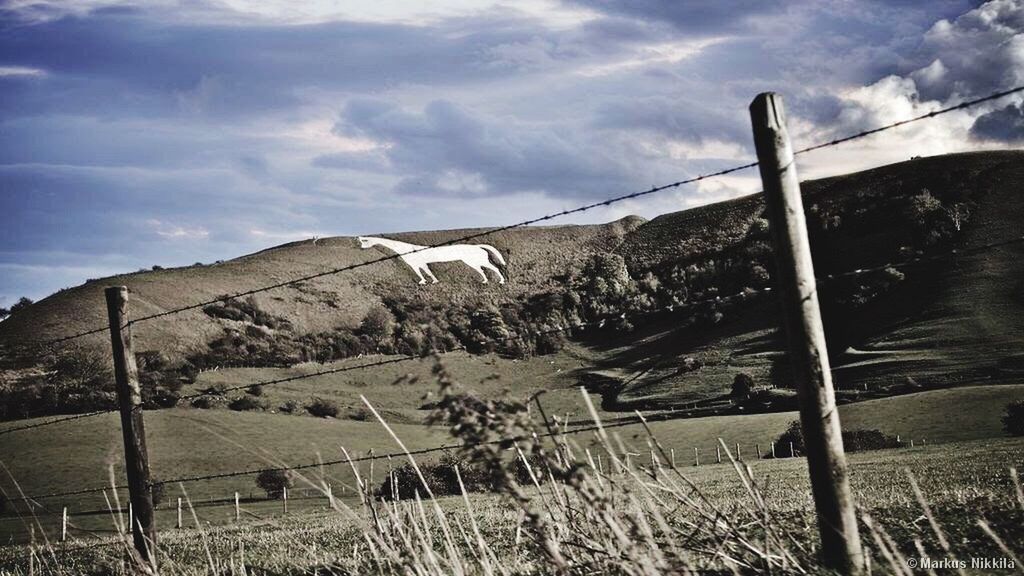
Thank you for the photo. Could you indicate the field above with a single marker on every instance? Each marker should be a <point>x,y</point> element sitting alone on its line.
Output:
<point>962,481</point>
<point>186,442</point>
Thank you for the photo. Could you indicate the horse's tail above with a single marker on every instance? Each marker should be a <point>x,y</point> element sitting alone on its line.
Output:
<point>494,252</point>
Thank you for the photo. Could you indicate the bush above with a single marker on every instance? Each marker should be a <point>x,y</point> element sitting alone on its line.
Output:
<point>853,440</point>
<point>289,407</point>
<point>742,385</point>
<point>795,434</point>
<point>322,408</point>
<point>254,390</point>
<point>158,491</point>
<point>246,404</point>
<point>1013,419</point>
<point>378,326</point>
<point>274,482</point>
<point>207,401</point>
<point>443,481</point>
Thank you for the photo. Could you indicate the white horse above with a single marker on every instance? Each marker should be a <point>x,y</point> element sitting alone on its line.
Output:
<point>476,256</point>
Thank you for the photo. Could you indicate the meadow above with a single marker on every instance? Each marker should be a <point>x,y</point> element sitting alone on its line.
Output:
<point>960,459</point>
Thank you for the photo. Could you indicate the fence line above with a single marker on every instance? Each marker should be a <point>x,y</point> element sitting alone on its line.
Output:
<point>743,295</point>
<point>583,208</point>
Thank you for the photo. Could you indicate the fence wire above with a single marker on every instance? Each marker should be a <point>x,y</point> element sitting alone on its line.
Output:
<point>746,294</point>
<point>580,209</point>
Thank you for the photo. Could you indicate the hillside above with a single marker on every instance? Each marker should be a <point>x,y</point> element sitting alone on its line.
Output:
<point>952,321</point>
<point>536,257</point>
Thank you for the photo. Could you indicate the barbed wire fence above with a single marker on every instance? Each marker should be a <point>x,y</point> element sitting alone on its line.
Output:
<point>746,295</point>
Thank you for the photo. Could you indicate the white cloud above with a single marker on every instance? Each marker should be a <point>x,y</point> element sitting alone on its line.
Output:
<point>651,55</point>
<point>21,71</point>
<point>176,232</point>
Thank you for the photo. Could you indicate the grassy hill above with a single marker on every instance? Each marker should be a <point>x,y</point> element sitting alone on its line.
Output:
<point>536,257</point>
<point>953,321</point>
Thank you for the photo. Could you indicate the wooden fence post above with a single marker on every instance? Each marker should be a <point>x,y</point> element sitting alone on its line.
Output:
<point>178,525</point>
<point>64,525</point>
<point>672,454</point>
<point>129,398</point>
<point>773,450</point>
<point>284,498</point>
<point>238,510</point>
<point>837,521</point>
<point>718,454</point>
<point>696,457</point>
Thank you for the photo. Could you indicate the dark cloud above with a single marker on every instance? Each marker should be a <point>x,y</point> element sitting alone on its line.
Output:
<point>449,150</point>
<point>1003,125</point>
<point>702,18</point>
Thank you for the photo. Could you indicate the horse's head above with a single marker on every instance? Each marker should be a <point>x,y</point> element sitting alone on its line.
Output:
<point>367,242</point>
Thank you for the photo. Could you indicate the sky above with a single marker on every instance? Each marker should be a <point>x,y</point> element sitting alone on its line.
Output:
<point>167,132</point>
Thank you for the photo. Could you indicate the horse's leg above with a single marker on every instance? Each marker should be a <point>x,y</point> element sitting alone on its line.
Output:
<point>416,269</point>
<point>493,268</point>
<point>479,270</point>
<point>430,273</point>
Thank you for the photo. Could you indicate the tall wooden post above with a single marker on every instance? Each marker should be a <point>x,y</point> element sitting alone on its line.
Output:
<point>837,521</point>
<point>129,398</point>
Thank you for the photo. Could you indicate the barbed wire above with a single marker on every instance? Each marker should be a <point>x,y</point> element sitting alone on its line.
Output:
<point>745,295</point>
<point>961,106</point>
<point>601,321</point>
<point>584,208</point>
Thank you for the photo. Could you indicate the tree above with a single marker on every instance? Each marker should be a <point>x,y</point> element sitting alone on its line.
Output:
<point>379,325</point>
<point>18,306</point>
<point>274,482</point>
<point>742,385</point>
<point>1013,419</point>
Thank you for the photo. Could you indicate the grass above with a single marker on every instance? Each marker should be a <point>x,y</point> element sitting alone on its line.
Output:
<point>963,481</point>
<point>76,454</point>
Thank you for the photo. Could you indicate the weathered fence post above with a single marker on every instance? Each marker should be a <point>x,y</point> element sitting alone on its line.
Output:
<point>837,522</point>
<point>238,510</point>
<point>696,457</point>
<point>178,525</point>
<point>284,498</point>
<point>718,454</point>
<point>64,525</point>
<point>129,398</point>
<point>672,453</point>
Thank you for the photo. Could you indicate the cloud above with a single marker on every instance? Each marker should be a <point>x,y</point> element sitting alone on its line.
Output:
<point>234,124</point>
<point>175,232</point>
<point>7,71</point>
<point>449,150</point>
<point>1004,124</point>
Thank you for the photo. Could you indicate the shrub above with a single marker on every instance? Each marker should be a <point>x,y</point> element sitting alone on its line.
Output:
<point>207,401</point>
<point>274,482</point>
<point>795,434</point>
<point>254,390</point>
<point>378,326</point>
<point>322,408</point>
<point>245,404</point>
<point>443,481</point>
<point>289,407</point>
<point>158,491</point>
<point>742,385</point>
<point>1013,419</point>
<point>853,440</point>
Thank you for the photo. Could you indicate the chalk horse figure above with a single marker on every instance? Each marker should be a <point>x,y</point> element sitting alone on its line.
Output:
<point>476,256</point>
